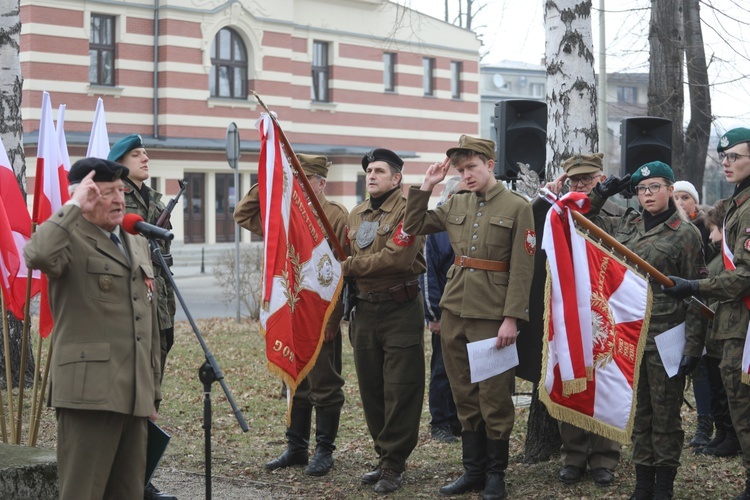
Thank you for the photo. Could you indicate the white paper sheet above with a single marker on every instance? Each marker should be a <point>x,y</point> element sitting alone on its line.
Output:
<point>671,345</point>
<point>486,361</point>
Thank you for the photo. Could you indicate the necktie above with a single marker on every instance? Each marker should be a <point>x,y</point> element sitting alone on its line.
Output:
<point>118,244</point>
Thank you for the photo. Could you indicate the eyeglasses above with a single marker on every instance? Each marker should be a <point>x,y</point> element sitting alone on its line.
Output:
<point>731,157</point>
<point>651,188</point>
<point>581,180</point>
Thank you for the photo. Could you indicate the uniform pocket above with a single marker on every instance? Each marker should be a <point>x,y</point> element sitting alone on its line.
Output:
<point>83,372</point>
<point>102,277</point>
<point>455,227</point>
<point>499,231</point>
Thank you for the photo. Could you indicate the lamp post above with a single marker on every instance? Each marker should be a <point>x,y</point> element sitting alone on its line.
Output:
<point>233,157</point>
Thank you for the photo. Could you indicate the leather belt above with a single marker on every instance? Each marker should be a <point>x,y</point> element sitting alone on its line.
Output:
<point>482,264</point>
<point>374,296</point>
<point>401,292</point>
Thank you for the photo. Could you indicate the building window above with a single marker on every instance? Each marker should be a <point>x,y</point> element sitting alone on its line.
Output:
<point>456,79</point>
<point>428,75</point>
<point>228,65</point>
<point>389,71</point>
<point>628,95</point>
<point>102,50</point>
<point>320,72</point>
<point>537,89</point>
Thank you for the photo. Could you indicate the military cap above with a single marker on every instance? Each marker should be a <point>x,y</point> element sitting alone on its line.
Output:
<point>381,154</point>
<point>475,144</point>
<point>583,164</point>
<point>652,169</point>
<point>314,165</point>
<point>125,145</point>
<point>106,170</point>
<point>732,138</point>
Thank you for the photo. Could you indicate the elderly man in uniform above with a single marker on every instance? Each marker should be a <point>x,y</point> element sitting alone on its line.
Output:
<point>146,202</point>
<point>492,234</point>
<point>387,325</point>
<point>322,388</point>
<point>731,287</point>
<point>579,447</point>
<point>101,286</point>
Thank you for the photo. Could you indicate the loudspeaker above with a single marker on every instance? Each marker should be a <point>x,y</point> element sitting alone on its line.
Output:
<point>521,132</point>
<point>644,139</point>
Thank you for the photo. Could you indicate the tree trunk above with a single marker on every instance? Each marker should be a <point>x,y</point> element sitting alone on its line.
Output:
<point>699,128</point>
<point>542,433</point>
<point>571,83</point>
<point>665,94</point>
<point>11,131</point>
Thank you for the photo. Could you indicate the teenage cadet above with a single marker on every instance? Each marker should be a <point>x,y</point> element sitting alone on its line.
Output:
<point>387,324</point>
<point>322,388</point>
<point>487,293</point>
<point>731,286</point>
<point>579,447</point>
<point>146,202</point>
<point>669,243</point>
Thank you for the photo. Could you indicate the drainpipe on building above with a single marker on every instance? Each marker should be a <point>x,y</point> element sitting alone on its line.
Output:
<point>156,69</point>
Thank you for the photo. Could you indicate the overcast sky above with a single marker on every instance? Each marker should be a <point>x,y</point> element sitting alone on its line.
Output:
<point>514,30</point>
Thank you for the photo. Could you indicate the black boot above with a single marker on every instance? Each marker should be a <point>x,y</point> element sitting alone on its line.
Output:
<point>326,429</point>
<point>745,495</point>
<point>721,435</point>
<point>297,438</point>
<point>497,462</point>
<point>730,447</point>
<point>703,431</point>
<point>664,485</point>
<point>474,445</point>
<point>644,482</point>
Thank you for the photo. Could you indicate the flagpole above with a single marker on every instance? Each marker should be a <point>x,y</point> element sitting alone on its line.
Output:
<point>610,241</point>
<point>21,380</point>
<point>302,177</point>
<point>8,374</point>
<point>34,433</point>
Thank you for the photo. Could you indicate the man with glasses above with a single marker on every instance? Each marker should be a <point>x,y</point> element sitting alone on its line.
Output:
<point>731,288</point>
<point>579,447</point>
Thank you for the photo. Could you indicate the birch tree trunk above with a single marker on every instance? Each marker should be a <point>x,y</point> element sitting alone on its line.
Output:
<point>665,93</point>
<point>11,131</point>
<point>699,129</point>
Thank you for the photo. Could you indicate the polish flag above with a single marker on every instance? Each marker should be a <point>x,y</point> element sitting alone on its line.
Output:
<point>617,308</point>
<point>50,192</point>
<point>15,232</point>
<point>301,276</point>
<point>99,139</point>
<point>62,143</point>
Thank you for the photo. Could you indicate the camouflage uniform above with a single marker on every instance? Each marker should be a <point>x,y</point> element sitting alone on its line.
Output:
<point>674,248</point>
<point>150,211</point>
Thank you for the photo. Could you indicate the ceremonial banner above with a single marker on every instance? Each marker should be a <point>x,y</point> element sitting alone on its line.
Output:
<point>15,232</point>
<point>616,301</point>
<point>301,276</point>
<point>50,192</point>
<point>728,258</point>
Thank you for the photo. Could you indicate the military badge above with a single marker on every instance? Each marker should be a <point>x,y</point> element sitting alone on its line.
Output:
<point>530,242</point>
<point>401,238</point>
<point>747,230</point>
<point>105,282</point>
<point>366,233</point>
<point>645,171</point>
<point>149,289</point>
<point>747,245</point>
<point>724,142</point>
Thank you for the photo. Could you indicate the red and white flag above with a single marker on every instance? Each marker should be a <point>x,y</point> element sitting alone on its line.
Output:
<point>50,192</point>
<point>62,143</point>
<point>613,304</point>
<point>15,232</point>
<point>728,257</point>
<point>99,138</point>
<point>301,276</point>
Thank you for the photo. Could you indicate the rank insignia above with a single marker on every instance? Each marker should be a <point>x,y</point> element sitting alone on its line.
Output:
<point>401,238</point>
<point>530,242</point>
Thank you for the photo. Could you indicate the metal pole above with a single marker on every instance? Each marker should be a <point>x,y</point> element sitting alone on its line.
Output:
<point>237,241</point>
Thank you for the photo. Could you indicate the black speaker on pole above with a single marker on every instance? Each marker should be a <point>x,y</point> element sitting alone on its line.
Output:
<point>644,139</point>
<point>521,136</point>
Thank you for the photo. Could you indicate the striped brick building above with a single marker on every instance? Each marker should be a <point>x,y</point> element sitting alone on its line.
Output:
<point>343,76</point>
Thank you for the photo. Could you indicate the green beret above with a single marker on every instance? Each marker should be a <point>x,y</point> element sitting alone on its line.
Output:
<point>583,164</point>
<point>652,169</point>
<point>474,144</point>
<point>125,145</point>
<point>106,170</point>
<point>381,154</point>
<point>732,138</point>
<point>314,165</point>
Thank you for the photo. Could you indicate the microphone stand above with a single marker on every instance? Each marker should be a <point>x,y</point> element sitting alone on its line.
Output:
<point>208,373</point>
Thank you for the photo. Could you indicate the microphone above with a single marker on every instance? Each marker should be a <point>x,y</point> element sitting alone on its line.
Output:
<point>134,224</point>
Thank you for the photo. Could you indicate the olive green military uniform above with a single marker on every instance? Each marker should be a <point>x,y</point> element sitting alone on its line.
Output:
<point>322,388</point>
<point>730,323</point>
<point>150,211</point>
<point>498,227</point>
<point>387,327</point>
<point>674,248</point>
